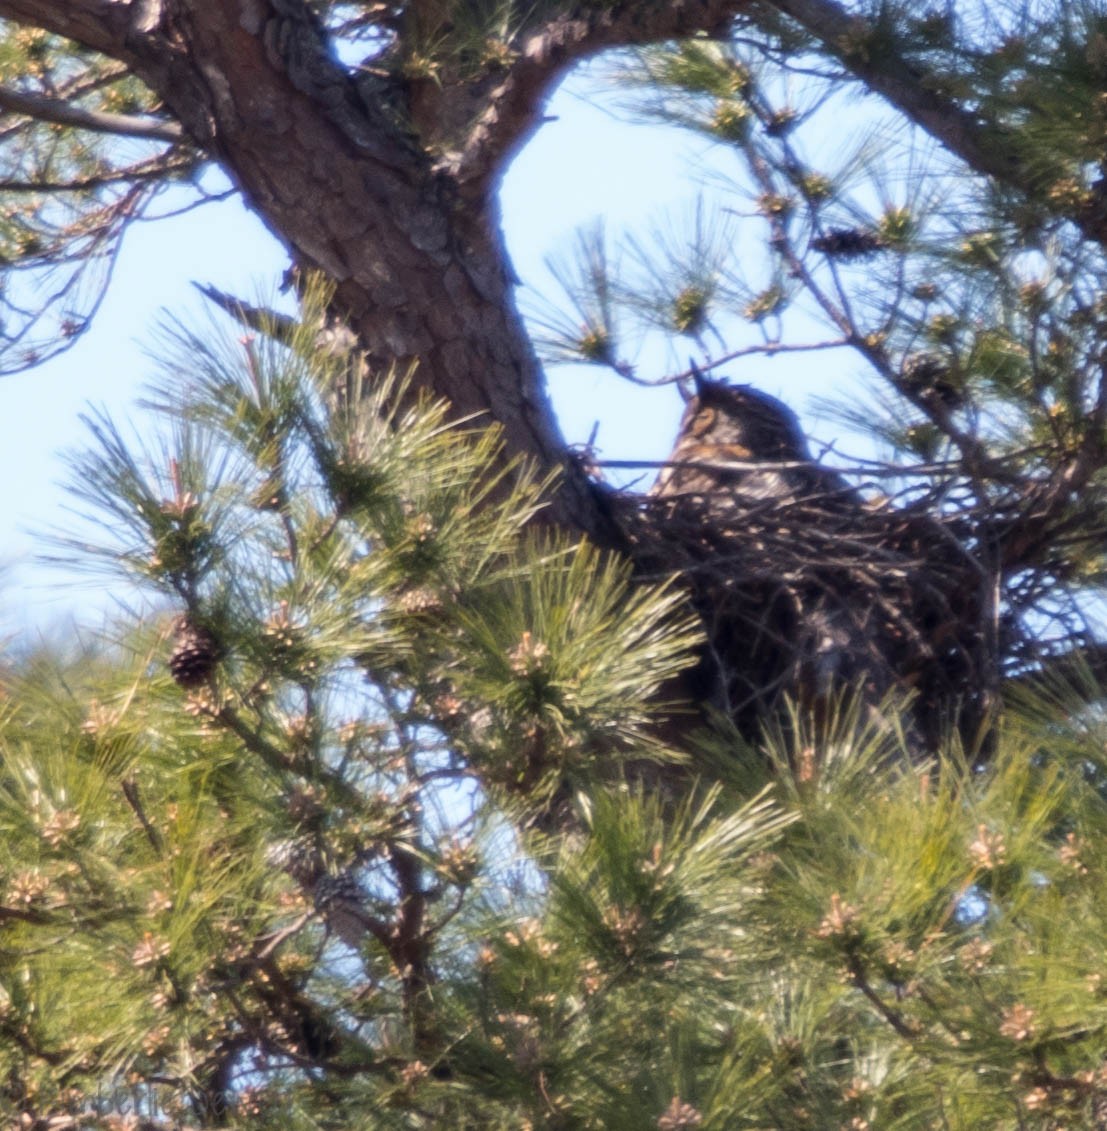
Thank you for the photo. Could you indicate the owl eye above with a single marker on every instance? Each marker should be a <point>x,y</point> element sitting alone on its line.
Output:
<point>704,420</point>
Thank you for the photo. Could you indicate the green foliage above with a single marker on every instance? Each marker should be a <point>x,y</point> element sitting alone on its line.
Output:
<point>310,891</point>
<point>403,845</point>
<point>271,870</point>
<point>894,947</point>
<point>67,194</point>
<point>970,292</point>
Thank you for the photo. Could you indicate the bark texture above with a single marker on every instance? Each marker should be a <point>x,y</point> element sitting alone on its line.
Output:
<point>342,182</point>
<point>365,177</point>
<point>383,178</point>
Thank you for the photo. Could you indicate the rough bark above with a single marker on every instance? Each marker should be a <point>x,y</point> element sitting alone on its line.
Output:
<point>361,179</point>
<point>386,182</point>
<point>348,191</point>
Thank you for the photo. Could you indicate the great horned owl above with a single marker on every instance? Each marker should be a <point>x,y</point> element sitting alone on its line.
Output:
<point>804,590</point>
<point>750,518</point>
<point>740,443</point>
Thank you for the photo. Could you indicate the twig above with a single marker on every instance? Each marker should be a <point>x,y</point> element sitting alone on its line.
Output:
<point>100,121</point>
<point>760,348</point>
<point>130,792</point>
<point>857,976</point>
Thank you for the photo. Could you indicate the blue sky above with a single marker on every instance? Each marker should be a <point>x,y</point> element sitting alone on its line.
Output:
<point>587,162</point>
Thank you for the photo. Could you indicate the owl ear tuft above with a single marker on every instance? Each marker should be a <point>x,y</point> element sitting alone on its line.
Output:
<point>699,381</point>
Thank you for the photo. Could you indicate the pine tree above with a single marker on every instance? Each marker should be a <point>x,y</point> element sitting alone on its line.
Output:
<point>308,877</point>
<point>302,782</point>
<point>282,854</point>
<point>964,281</point>
<point>387,814</point>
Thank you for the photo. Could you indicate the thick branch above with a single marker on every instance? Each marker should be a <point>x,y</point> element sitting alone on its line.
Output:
<point>902,83</point>
<point>982,144</point>
<point>100,121</point>
<point>513,107</point>
<point>102,25</point>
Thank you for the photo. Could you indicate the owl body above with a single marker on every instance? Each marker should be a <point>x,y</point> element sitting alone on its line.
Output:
<point>804,591</point>
<point>737,444</point>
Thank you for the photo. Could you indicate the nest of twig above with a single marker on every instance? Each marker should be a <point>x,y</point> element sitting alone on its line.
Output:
<point>817,592</point>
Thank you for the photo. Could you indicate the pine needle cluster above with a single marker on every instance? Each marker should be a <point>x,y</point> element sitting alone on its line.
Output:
<point>272,818</point>
<point>373,859</point>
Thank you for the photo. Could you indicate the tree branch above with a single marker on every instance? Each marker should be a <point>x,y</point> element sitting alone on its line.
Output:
<point>982,144</point>
<point>102,25</point>
<point>513,107</point>
<point>154,170</point>
<point>903,84</point>
<point>129,787</point>
<point>100,121</point>
<point>280,327</point>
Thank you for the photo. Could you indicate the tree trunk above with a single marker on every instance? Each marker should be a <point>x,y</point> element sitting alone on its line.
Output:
<point>387,186</point>
<point>420,274</point>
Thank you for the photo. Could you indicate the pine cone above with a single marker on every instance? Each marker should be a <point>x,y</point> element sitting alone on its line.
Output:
<point>848,243</point>
<point>195,654</point>
<point>340,899</point>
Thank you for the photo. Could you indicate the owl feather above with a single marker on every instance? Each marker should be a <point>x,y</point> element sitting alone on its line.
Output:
<point>805,592</point>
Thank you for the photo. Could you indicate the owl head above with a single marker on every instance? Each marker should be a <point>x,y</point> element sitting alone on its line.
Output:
<point>725,429</point>
<point>742,417</point>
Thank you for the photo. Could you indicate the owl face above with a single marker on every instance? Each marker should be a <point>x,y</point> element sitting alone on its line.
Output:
<point>724,425</point>
<point>741,415</point>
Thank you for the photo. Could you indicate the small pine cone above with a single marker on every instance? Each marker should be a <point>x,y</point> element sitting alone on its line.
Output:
<point>340,899</point>
<point>848,243</point>
<point>195,654</point>
<point>334,889</point>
